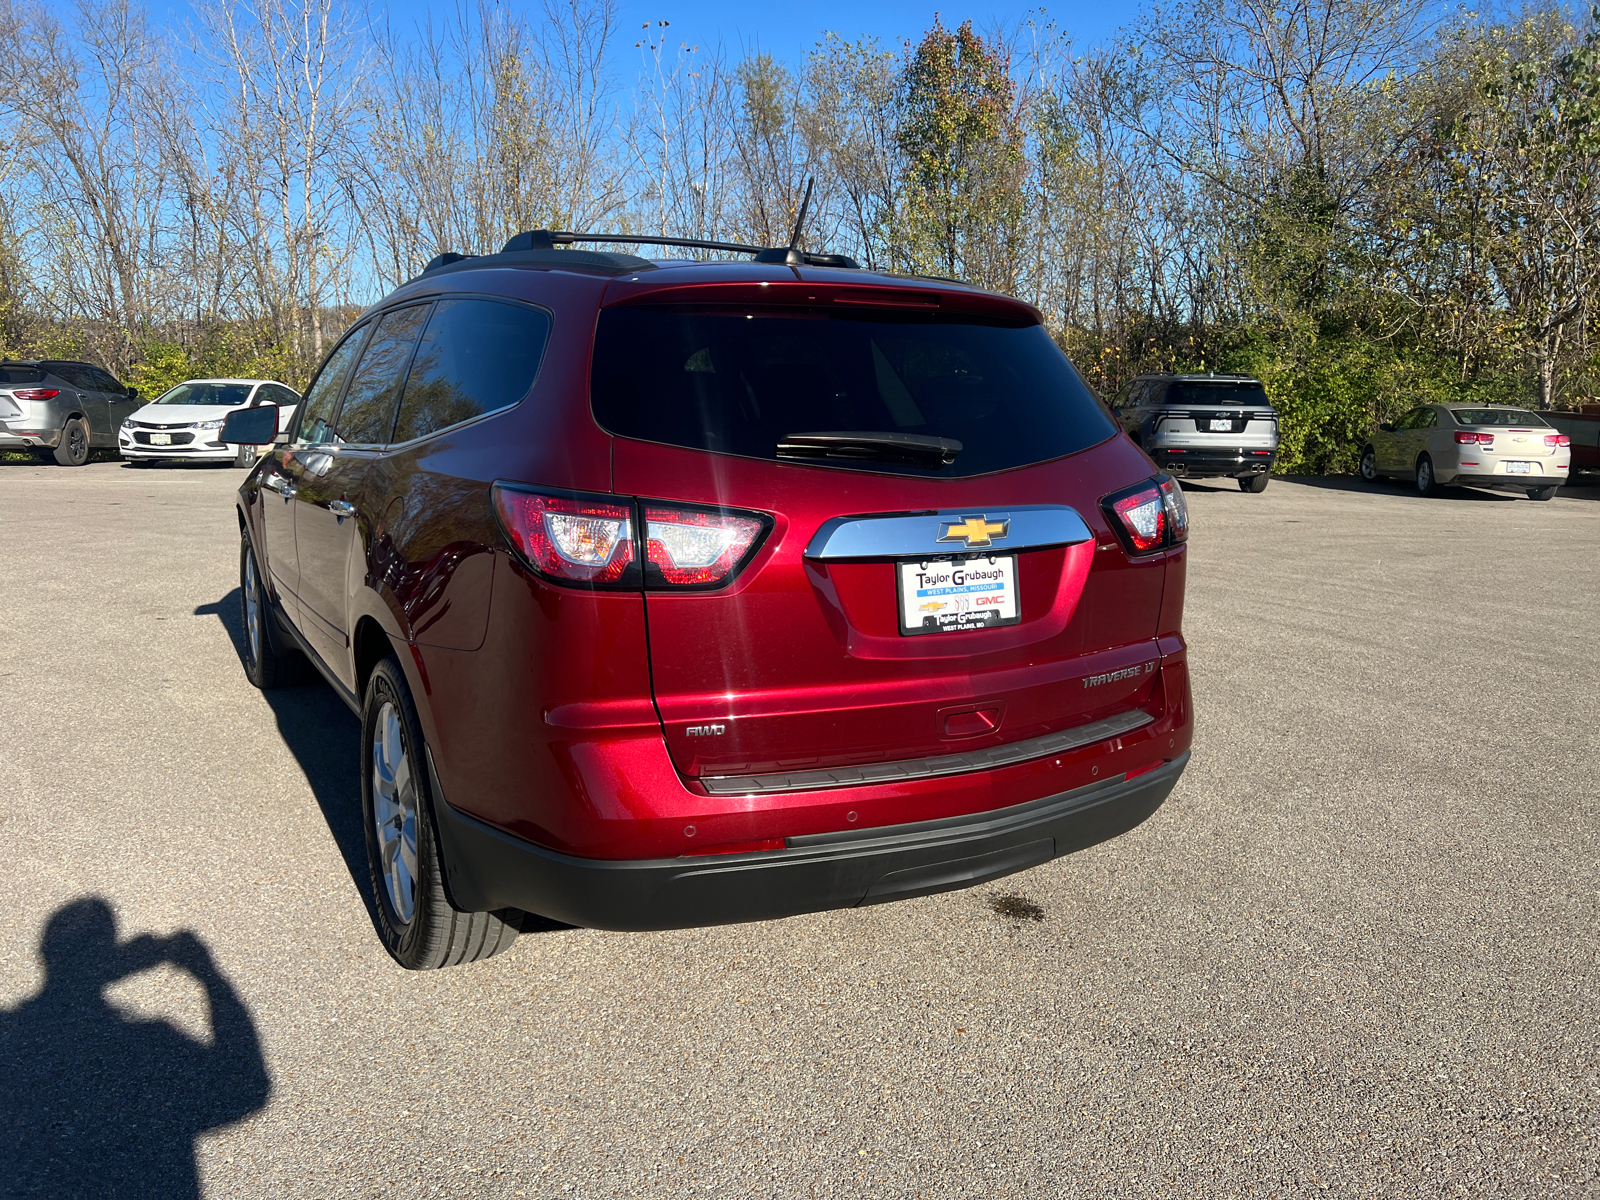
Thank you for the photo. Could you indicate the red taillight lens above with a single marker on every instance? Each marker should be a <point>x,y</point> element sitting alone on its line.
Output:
<point>1149,516</point>
<point>1141,518</point>
<point>1177,511</point>
<point>1464,438</point>
<point>1557,439</point>
<point>570,538</point>
<point>696,547</point>
<point>36,393</point>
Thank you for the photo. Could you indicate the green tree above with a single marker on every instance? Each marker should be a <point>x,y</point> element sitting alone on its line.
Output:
<point>962,138</point>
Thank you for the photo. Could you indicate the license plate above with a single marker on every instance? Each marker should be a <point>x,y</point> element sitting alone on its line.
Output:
<point>953,595</point>
<point>161,439</point>
<point>1519,468</point>
<point>1221,426</point>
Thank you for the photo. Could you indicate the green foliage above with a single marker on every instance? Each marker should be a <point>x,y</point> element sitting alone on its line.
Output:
<point>963,144</point>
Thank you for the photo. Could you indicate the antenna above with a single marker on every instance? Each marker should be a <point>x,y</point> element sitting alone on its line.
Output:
<point>800,221</point>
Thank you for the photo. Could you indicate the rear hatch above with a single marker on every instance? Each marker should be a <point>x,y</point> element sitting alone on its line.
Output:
<point>1230,409</point>
<point>933,573</point>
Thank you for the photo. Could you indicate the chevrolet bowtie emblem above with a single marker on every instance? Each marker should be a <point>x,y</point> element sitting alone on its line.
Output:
<point>974,531</point>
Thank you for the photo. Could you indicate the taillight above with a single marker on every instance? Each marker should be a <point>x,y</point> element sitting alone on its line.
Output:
<point>1139,515</point>
<point>1467,438</point>
<point>697,547</point>
<point>1149,516</point>
<point>571,538</point>
<point>1557,439</point>
<point>1177,510</point>
<point>36,393</point>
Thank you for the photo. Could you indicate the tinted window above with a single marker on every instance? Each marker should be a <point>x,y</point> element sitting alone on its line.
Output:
<point>274,393</point>
<point>230,395</point>
<point>17,375</point>
<point>75,374</point>
<point>1217,393</point>
<point>104,381</point>
<point>477,356</point>
<point>315,424</point>
<point>1497,416</point>
<point>738,383</point>
<point>367,414</point>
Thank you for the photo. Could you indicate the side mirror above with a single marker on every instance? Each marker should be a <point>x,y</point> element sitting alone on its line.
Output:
<point>133,393</point>
<point>250,426</point>
<point>1386,427</point>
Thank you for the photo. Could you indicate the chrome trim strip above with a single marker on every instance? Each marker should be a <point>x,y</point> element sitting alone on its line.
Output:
<point>926,768</point>
<point>917,536</point>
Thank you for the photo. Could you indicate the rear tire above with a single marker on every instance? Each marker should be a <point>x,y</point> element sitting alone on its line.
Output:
<point>1254,483</point>
<point>419,928</point>
<point>1544,493</point>
<point>74,448</point>
<point>1427,482</point>
<point>1369,464</point>
<point>265,665</point>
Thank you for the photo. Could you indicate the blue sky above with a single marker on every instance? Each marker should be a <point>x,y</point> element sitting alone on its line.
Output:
<point>788,30</point>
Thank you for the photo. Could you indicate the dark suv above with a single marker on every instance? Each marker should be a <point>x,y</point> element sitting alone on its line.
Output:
<point>61,410</point>
<point>675,593</point>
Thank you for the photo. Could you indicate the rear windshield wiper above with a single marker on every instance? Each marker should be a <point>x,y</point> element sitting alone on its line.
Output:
<point>906,447</point>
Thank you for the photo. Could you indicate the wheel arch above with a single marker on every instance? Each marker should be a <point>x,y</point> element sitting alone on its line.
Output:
<point>370,645</point>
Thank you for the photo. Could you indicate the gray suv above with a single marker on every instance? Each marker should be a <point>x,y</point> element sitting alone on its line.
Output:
<point>61,410</point>
<point>1203,426</point>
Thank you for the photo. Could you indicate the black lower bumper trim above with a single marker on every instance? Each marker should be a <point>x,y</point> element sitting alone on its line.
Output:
<point>488,869</point>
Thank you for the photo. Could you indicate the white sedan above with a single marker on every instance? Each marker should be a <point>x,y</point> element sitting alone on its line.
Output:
<point>1482,445</point>
<point>185,421</point>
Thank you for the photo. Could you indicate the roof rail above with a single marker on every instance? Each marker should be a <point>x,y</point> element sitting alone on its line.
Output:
<point>549,239</point>
<point>790,255</point>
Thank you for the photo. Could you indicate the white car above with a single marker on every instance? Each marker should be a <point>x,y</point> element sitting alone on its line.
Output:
<point>185,421</point>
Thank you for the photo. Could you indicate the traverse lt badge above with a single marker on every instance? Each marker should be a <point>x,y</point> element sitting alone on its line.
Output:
<point>975,531</point>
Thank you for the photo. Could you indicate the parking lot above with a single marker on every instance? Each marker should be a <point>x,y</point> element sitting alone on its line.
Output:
<point>1356,950</point>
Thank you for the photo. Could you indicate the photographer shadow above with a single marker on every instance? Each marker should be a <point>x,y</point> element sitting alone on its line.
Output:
<point>97,1103</point>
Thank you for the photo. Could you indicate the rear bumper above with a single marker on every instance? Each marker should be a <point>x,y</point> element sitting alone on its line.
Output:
<point>43,440</point>
<point>1519,483</point>
<point>1194,462</point>
<point>488,869</point>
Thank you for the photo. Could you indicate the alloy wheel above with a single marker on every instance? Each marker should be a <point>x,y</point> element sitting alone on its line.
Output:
<point>252,609</point>
<point>394,812</point>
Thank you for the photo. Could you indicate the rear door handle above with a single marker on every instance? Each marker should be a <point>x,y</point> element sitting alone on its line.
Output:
<point>341,508</point>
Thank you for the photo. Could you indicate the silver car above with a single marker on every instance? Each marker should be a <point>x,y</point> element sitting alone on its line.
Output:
<point>1203,426</point>
<point>61,410</point>
<point>1482,445</point>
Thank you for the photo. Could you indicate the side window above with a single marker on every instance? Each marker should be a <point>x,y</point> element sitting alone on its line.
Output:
<point>276,393</point>
<point>367,415</point>
<point>314,423</point>
<point>76,374</point>
<point>1427,419</point>
<point>476,357</point>
<point>104,381</point>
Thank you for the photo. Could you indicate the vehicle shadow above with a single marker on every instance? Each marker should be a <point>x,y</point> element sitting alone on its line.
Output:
<point>98,1103</point>
<point>325,738</point>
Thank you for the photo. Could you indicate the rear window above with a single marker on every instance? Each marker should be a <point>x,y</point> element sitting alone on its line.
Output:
<point>18,375</point>
<point>740,382</point>
<point>1218,393</point>
<point>228,395</point>
<point>1496,416</point>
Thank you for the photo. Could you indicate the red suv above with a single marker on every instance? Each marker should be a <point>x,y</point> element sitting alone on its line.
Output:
<point>682,593</point>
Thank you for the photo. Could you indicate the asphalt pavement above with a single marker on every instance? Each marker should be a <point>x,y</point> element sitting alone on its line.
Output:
<point>1355,953</point>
